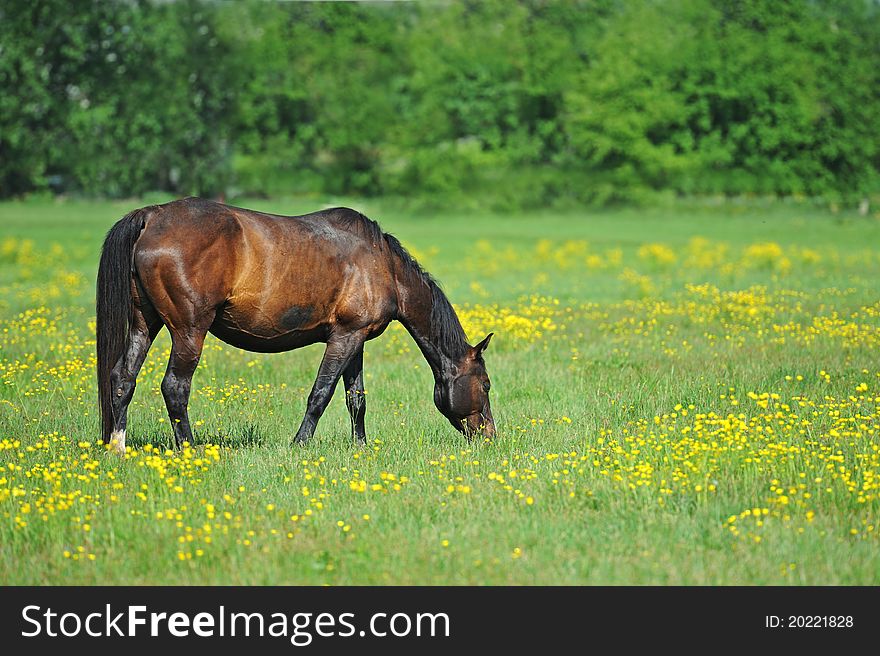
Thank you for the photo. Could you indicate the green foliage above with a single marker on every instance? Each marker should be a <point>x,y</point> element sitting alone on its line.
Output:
<point>510,104</point>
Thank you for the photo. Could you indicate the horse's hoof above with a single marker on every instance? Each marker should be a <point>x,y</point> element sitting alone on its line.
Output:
<point>117,442</point>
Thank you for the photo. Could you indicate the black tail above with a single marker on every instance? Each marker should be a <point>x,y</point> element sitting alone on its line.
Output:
<point>114,305</point>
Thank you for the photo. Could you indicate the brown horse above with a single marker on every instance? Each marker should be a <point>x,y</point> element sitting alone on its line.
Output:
<point>271,283</point>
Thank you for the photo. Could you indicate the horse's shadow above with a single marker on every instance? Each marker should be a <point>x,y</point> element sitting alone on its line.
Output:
<point>246,435</point>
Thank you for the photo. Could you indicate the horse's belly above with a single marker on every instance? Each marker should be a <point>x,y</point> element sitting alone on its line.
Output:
<point>255,332</point>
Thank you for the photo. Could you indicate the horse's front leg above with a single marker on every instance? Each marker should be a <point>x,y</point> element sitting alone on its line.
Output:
<point>339,353</point>
<point>355,401</point>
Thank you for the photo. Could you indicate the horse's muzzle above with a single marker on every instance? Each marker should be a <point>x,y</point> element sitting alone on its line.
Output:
<point>481,423</point>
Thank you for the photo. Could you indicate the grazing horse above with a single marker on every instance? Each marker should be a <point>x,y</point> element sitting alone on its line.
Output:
<point>270,283</point>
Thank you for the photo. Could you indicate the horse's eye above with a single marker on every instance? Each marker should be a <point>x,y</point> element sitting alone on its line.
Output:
<point>486,387</point>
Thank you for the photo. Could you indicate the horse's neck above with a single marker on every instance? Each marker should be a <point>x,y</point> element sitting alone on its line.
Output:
<point>414,312</point>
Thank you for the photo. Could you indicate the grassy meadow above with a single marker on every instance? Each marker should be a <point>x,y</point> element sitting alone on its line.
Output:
<point>685,395</point>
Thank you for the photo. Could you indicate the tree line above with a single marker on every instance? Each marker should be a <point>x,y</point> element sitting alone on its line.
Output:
<point>524,103</point>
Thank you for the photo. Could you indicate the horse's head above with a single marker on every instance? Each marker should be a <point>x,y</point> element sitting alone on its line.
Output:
<point>462,394</point>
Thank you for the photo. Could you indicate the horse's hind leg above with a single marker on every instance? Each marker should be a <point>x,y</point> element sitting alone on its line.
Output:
<point>144,327</point>
<point>355,400</point>
<point>186,350</point>
<point>340,351</point>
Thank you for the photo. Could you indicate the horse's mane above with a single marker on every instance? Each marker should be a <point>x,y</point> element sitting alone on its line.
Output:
<point>446,330</point>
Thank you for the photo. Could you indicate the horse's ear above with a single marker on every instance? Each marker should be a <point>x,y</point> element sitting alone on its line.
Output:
<point>479,348</point>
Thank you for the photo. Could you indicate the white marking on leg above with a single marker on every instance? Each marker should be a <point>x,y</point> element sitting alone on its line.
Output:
<point>117,441</point>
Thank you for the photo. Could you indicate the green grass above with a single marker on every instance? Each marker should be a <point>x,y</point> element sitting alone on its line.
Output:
<point>596,476</point>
